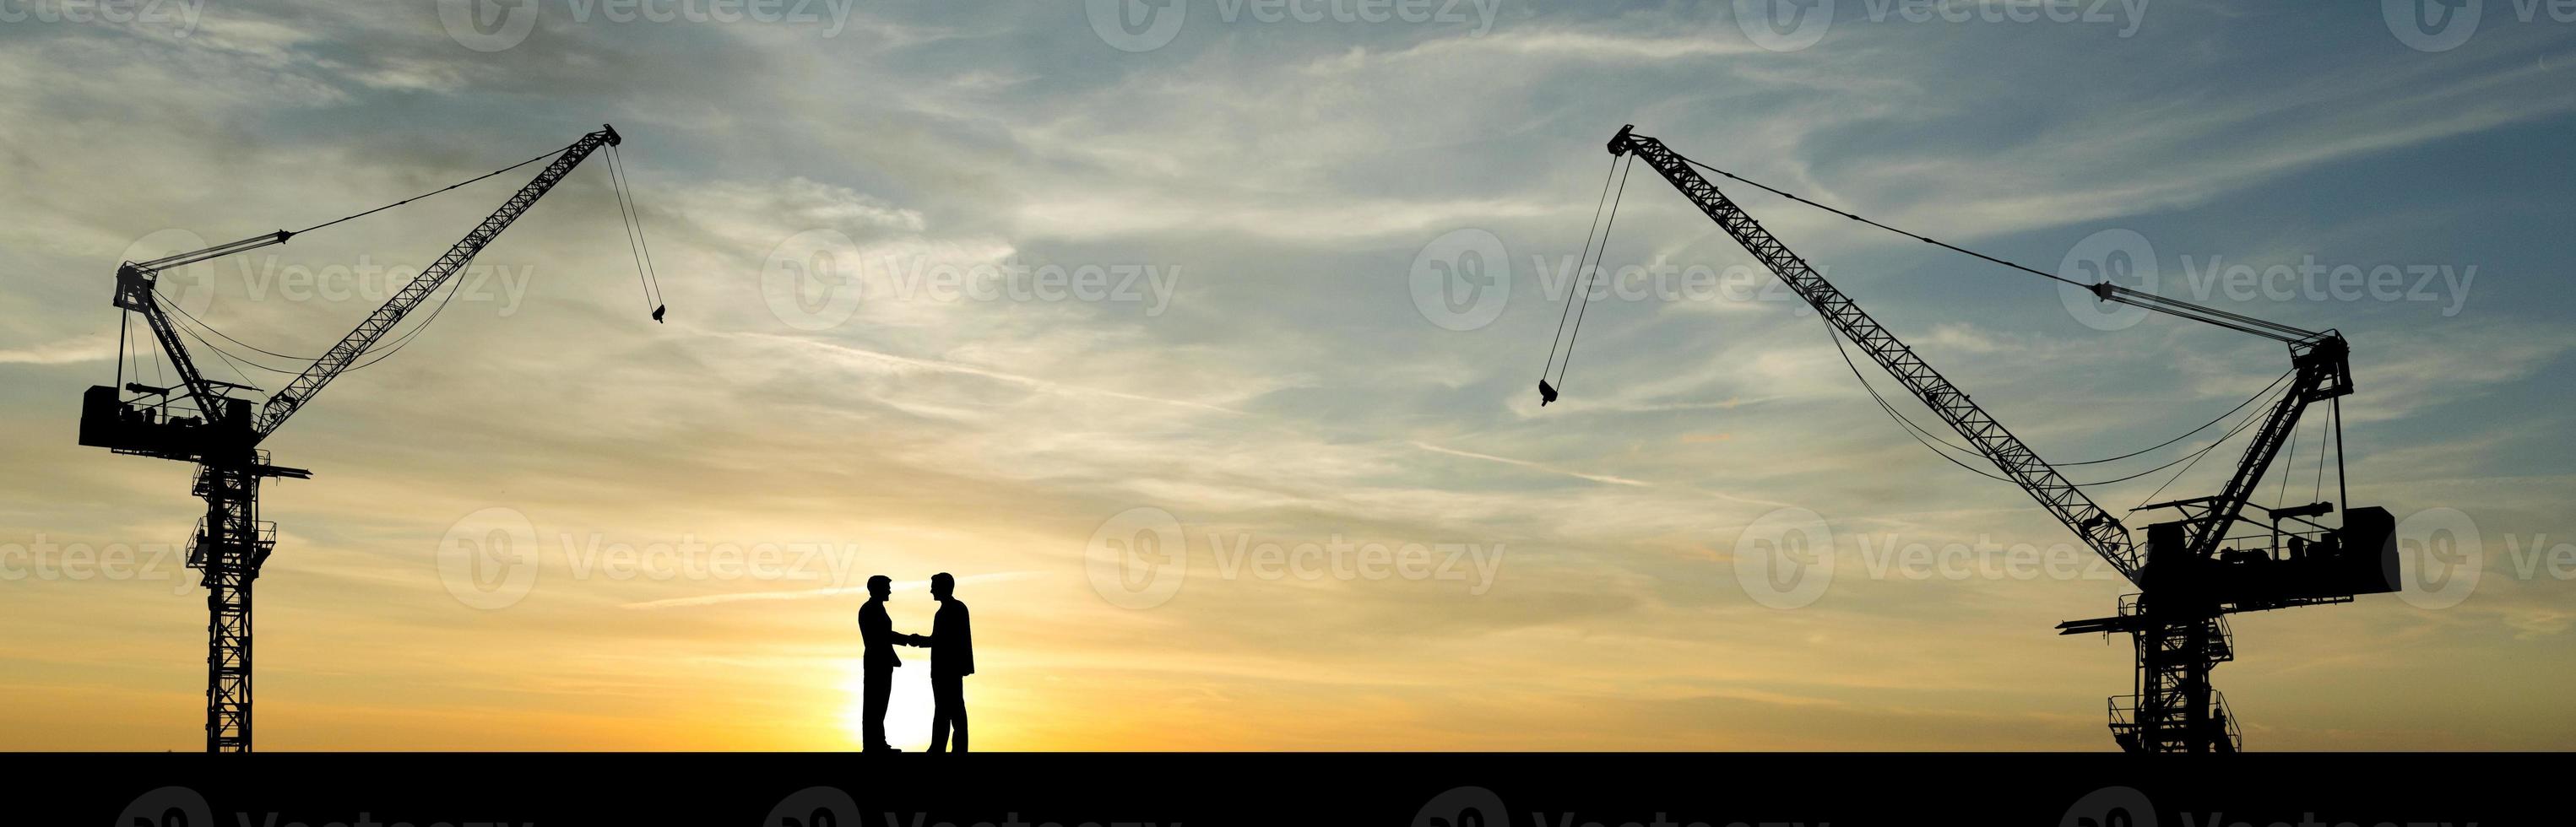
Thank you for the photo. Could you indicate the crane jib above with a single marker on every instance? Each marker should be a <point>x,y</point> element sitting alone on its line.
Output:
<point>346,351</point>
<point>2103,532</point>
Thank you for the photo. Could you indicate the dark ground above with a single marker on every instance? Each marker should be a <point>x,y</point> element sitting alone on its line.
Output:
<point>1443,789</point>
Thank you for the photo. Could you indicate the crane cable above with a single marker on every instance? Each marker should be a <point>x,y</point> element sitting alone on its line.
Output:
<point>2238,322</point>
<point>634,220</point>
<point>548,154</point>
<point>1918,432</point>
<point>1550,393</point>
<point>2195,460</point>
<point>1595,226</point>
<point>634,228</point>
<point>165,298</point>
<point>2266,391</point>
<point>1855,217</point>
<point>1587,265</point>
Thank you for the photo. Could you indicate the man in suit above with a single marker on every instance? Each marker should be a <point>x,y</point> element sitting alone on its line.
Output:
<point>877,633</point>
<point>952,657</point>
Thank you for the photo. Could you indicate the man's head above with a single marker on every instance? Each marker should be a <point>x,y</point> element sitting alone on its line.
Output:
<point>880,586</point>
<point>941,585</point>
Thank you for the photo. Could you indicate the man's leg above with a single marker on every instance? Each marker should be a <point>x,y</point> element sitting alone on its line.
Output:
<point>879,687</point>
<point>957,710</point>
<point>939,712</point>
<point>948,699</point>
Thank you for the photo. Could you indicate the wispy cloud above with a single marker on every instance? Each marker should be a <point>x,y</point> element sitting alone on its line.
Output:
<point>1600,478</point>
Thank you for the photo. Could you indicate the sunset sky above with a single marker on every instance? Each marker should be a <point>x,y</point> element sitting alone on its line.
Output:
<point>995,289</point>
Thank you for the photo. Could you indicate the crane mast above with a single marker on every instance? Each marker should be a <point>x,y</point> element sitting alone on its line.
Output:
<point>2191,572</point>
<point>222,436</point>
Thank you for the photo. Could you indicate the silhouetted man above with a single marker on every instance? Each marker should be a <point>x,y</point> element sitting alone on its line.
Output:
<point>952,658</point>
<point>877,633</point>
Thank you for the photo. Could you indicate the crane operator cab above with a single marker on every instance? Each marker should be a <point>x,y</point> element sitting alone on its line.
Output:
<point>157,425</point>
<point>2293,560</point>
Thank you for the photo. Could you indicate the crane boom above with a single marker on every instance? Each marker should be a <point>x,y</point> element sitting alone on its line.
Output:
<point>346,352</point>
<point>2103,532</point>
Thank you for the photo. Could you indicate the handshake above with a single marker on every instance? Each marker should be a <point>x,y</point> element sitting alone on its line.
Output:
<point>922,641</point>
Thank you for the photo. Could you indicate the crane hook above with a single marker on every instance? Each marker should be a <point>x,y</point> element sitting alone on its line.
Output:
<point>1546,394</point>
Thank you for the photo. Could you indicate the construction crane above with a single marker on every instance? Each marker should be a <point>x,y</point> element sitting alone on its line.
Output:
<point>2191,571</point>
<point>201,421</point>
